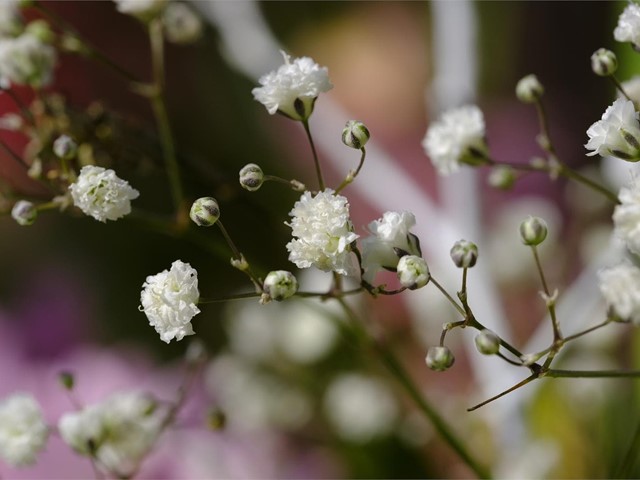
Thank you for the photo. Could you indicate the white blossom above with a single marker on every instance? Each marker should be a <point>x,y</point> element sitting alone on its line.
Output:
<point>10,19</point>
<point>142,9</point>
<point>293,88</point>
<point>26,60</point>
<point>457,137</point>
<point>322,232</point>
<point>118,432</point>
<point>626,216</point>
<point>628,28</point>
<point>169,300</point>
<point>181,24</point>
<point>413,272</point>
<point>619,286</point>
<point>387,234</point>
<point>99,193</point>
<point>24,212</point>
<point>23,432</point>
<point>617,134</point>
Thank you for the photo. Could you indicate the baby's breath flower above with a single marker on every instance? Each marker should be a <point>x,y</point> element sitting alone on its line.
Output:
<point>355,134</point>
<point>464,254</point>
<point>626,216</point>
<point>205,212</point>
<point>24,212</point>
<point>251,177</point>
<point>617,134</point>
<point>604,62</point>
<point>439,358</point>
<point>529,89</point>
<point>99,193</point>
<point>65,147</point>
<point>23,432</point>
<point>487,342</point>
<point>533,231</point>
<point>413,272</point>
<point>144,10</point>
<point>26,60</point>
<point>628,28</point>
<point>279,285</point>
<point>619,286</point>
<point>457,137</point>
<point>169,300</point>
<point>322,232</point>
<point>181,24</point>
<point>10,19</point>
<point>293,88</point>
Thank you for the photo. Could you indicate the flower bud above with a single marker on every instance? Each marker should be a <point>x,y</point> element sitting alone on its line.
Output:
<point>251,177</point>
<point>502,177</point>
<point>529,89</point>
<point>24,212</point>
<point>216,419</point>
<point>439,358</point>
<point>205,212</point>
<point>464,254</point>
<point>67,380</point>
<point>279,285</point>
<point>196,352</point>
<point>413,272</point>
<point>41,30</point>
<point>533,231</point>
<point>355,134</point>
<point>65,147</point>
<point>181,24</point>
<point>487,342</point>
<point>604,62</point>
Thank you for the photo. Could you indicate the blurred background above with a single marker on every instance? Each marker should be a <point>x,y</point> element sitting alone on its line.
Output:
<point>301,401</point>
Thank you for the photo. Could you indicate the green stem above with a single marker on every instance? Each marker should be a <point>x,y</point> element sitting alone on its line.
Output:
<point>630,457</point>
<point>502,394</point>
<point>551,304</point>
<point>619,87</point>
<point>448,297</point>
<point>305,124</point>
<point>572,174</point>
<point>238,255</point>
<point>352,177</point>
<point>592,373</point>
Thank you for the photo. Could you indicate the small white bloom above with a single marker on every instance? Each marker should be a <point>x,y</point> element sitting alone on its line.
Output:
<point>24,212</point>
<point>322,232</point>
<point>293,88</point>
<point>413,272</point>
<point>617,134</point>
<point>628,28</point>
<point>169,300</point>
<point>604,62</point>
<point>26,60</point>
<point>65,147</point>
<point>10,19</point>
<point>143,9</point>
<point>181,24</point>
<point>99,193</point>
<point>529,89</point>
<point>626,216</point>
<point>388,233</point>
<point>279,285</point>
<point>457,137</point>
<point>619,286</point>
<point>23,432</point>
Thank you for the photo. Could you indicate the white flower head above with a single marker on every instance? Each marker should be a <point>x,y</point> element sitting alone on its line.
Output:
<point>118,432</point>
<point>322,232</point>
<point>617,134</point>
<point>181,24</point>
<point>457,137</point>
<point>26,60</point>
<point>626,216</point>
<point>23,432</point>
<point>628,28</point>
<point>413,272</point>
<point>11,22</point>
<point>619,286</point>
<point>293,88</point>
<point>99,193</point>
<point>144,10</point>
<point>389,235</point>
<point>169,300</point>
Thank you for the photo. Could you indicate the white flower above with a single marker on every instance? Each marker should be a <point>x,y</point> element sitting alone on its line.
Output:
<point>617,133</point>
<point>413,272</point>
<point>322,231</point>
<point>24,212</point>
<point>99,193</point>
<point>10,18</point>
<point>388,233</point>
<point>118,432</point>
<point>278,285</point>
<point>619,286</point>
<point>529,89</point>
<point>293,88</point>
<point>626,216</point>
<point>26,60</point>
<point>169,300</point>
<point>181,24</point>
<point>23,432</point>
<point>142,9</point>
<point>628,28</point>
<point>457,137</point>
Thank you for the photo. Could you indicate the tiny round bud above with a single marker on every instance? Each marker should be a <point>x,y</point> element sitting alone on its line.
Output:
<point>464,254</point>
<point>196,352</point>
<point>279,285</point>
<point>413,272</point>
<point>41,30</point>
<point>487,342</point>
<point>439,358</point>
<point>355,134</point>
<point>251,177</point>
<point>65,147</point>
<point>67,380</point>
<point>529,89</point>
<point>205,212</point>
<point>181,24</point>
<point>502,177</point>
<point>24,212</point>
<point>604,62</point>
<point>533,231</point>
<point>216,419</point>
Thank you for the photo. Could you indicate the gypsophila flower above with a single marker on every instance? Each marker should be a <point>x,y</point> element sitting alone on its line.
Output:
<point>604,62</point>
<point>413,272</point>
<point>617,134</point>
<point>10,19</point>
<point>26,60</point>
<point>169,300</point>
<point>628,28</point>
<point>23,432</point>
<point>457,137</point>
<point>439,358</point>
<point>626,216</point>
<point>65,147</point>
<point>322,232</point>
<point>24,212</point>
<point>619,287</point>
<point>279,285</point>
<point>251,177</point>
<point>99,193</point>
<point>144,10</point>
<point>293,88</point>
<point>389,235</point>
<point>181,24</point>
<point>529,89</point>
<point>117,432</point>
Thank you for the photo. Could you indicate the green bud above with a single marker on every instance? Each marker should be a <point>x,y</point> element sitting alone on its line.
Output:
<point>502,177</point>
<point>251,177</point>
<point>205,212</point>
<point>464,254</point>
<point>279,285</point>
<point>487,342</point>
<point>413,272</point>
<point>216,419</point>
<point>355,134</point>
<point>439,358</point>
<point>41,30</point>
<point>533,231</point>
<point>67,380</point>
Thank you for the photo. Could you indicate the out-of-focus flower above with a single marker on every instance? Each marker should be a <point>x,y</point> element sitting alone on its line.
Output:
<point>65,147</point>
<point>628,28</point>
<point>529,89</point>
<point>181,24</point>
<point>144,10</point>
<point>10,19</point>
<point>293,88</point>
<point>413,272</point>
<point>23,432</point>
<point>99,193</point>
<point>626,216</point>
<point>322,232</point>
<point>604,62</point>
<point>24,212</point>
<point>26,60</point>
<point>617,134</point>
<point>619,286</point>
<point>457,137</point>
<point>169,300</point>
<point>439,358</point>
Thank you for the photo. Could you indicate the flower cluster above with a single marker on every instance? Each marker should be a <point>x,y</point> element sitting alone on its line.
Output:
<point>23,432</point>
<point>628,28</point>
<point>626,217</point>
<point>619,286</point>
<point>26,60</point>
<point>617,134</point>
